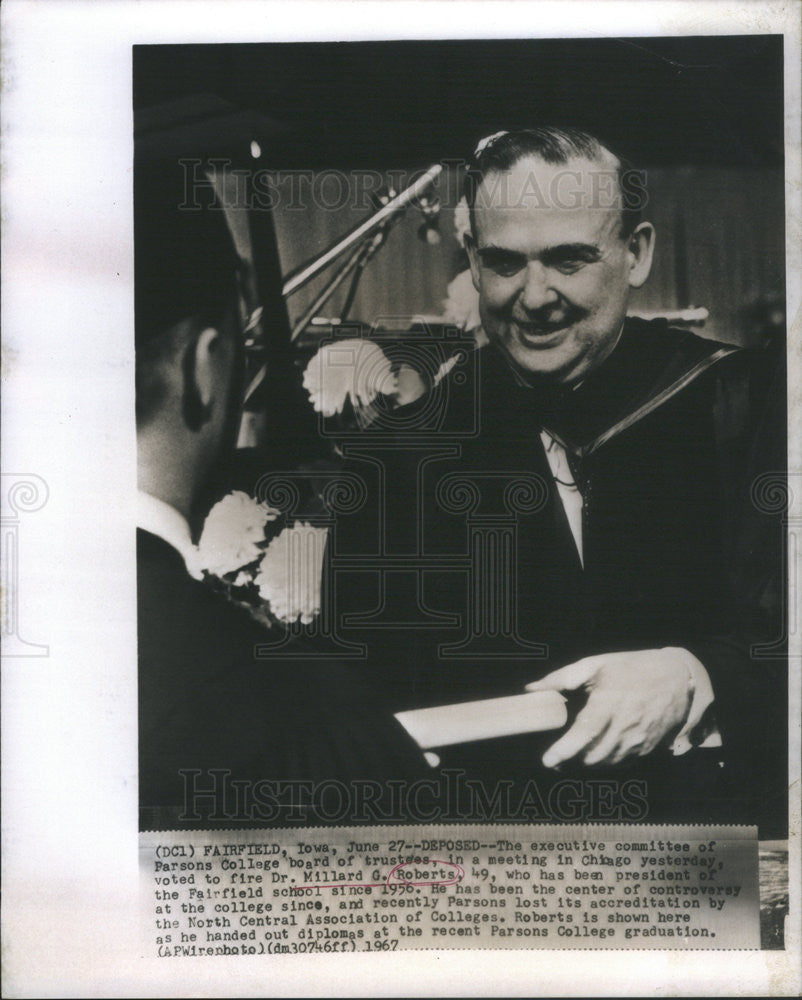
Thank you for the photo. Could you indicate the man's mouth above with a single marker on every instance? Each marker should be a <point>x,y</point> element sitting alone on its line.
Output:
<point>541,332</point>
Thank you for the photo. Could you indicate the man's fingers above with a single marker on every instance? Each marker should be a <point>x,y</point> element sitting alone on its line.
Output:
<point>591,723</point>
<point>568,678</point>
<point>586,730</point>
<point>606,751</point>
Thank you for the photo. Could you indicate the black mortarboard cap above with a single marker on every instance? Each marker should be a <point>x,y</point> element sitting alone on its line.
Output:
<point>184,259</point>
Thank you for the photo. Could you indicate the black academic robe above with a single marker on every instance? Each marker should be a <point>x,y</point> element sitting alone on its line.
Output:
<point>213,714</point>
<point>675,441</point>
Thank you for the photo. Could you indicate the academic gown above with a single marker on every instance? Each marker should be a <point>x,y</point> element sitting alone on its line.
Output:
<point>677,444</point>
<point>208,703</point>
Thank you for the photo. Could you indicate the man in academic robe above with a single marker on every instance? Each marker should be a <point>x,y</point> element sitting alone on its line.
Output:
<point>219,724</point>
<point>648,581</point>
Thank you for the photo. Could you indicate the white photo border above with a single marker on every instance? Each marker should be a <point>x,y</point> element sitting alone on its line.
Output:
<point>69,721</point>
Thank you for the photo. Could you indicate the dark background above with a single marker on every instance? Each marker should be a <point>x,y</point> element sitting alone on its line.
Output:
<point>669,101</point>
<point>703,116</point>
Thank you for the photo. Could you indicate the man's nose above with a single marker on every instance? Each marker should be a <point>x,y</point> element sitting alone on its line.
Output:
<point>537,291</point>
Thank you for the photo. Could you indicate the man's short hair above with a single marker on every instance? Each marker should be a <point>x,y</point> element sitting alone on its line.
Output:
<point>554,145</point>
<point>185,268</point>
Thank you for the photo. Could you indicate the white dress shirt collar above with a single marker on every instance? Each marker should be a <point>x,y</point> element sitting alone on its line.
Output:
<point>160,519</point>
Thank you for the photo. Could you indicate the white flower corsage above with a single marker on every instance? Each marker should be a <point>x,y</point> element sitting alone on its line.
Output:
<point>278,578</point>
<point>351,369</point>
<point>233,534</point>
<point>291,571</point>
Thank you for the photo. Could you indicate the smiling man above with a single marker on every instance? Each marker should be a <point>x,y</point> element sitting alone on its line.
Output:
<point>653,438</point>
<point>650,574</point>
<point>555,250</point>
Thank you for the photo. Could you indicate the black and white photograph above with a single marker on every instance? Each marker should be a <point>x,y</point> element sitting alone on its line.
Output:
<point>506,423</point>
<point>457,387</point>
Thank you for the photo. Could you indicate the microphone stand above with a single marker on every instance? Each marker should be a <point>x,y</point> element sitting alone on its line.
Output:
<point>370,235</point>
<point>356,262</point>
<point>364,229</point>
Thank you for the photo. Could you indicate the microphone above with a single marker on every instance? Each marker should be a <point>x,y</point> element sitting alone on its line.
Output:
<point>429,230</point>
<point>298,278</point>
<point>381,197</point>
<point>427,205</point>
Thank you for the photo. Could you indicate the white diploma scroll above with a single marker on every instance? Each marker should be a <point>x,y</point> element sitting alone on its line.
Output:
<point>445,725</point>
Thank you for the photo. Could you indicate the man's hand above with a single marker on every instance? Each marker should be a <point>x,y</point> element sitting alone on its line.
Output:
<point>636,701</point>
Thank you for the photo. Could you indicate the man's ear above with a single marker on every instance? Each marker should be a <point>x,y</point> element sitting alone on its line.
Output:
<point>473,258</point>
<point>641,251</point>
<point>201,364</point>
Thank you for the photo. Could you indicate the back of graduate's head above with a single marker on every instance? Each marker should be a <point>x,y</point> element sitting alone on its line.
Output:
<point>185,294</point>
<point>189,350</point>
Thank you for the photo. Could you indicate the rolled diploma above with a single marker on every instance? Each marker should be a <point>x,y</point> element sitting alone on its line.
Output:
<point>532,712</point>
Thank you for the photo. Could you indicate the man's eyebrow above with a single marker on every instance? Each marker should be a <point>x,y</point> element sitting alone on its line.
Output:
<point>491,250</point>
<point>564,251</point>
<point>572,251</point>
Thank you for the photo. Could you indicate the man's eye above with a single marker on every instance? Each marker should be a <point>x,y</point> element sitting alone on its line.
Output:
<point>569,266</point>
<point>505,267</point>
